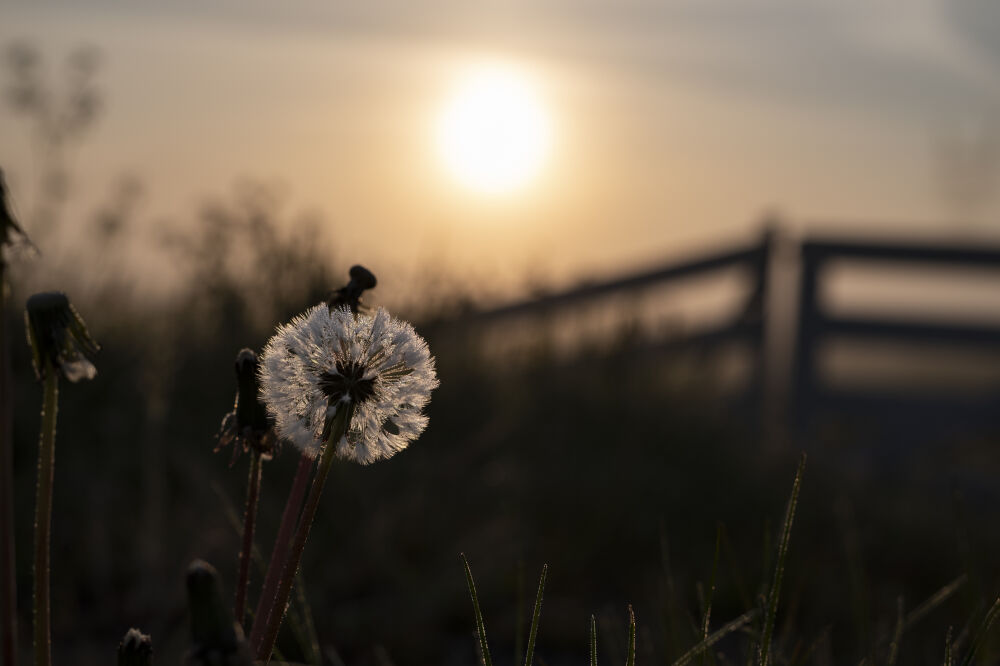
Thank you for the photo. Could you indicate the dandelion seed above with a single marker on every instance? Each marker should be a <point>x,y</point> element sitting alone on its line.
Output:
<point>248,427</point>
<point>59,337</point>
<point>327,360</point>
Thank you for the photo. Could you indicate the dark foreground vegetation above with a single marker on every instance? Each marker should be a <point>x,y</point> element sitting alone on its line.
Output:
<point>620,472</point>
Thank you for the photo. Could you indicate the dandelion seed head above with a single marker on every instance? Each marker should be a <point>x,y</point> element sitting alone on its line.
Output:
<point>327,359</point>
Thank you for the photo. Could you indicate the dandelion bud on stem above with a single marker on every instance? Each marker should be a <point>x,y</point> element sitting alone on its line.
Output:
<point>216,638</point>
<point>136,649</point>
<point>247,428</point>
<point>60,346</point>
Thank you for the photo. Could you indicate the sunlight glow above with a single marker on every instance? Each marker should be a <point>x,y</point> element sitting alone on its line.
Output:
<point>493,134</point>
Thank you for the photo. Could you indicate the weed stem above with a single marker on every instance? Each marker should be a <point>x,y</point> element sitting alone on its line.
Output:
<point>8,579</point>
<point>341,420</point>
<point>43,515</point>
<point>289,517</point>
<point>249,523</point>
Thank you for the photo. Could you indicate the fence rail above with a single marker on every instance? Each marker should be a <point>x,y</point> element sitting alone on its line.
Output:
<point>754,257</point>
<point>817,327</point>
<point>814,326</point>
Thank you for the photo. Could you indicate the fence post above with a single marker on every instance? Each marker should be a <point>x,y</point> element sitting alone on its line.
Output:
<point>807,335</point>
<point>755,315</point>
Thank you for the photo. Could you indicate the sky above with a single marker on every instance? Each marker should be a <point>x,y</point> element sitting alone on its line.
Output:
<point>677,125</point>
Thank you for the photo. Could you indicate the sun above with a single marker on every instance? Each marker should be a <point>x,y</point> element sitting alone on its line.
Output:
<point>493,134</point>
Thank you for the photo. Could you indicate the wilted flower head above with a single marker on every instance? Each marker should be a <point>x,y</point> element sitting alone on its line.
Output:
<point>248,426</point>
<point>59,337</point>
<point>11,233</point>
<point>350,294</point>
<point>326,360</point>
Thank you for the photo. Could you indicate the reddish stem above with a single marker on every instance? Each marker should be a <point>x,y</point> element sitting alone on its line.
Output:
<point>341,421</point>
<point>249,522</point>
<point>279,555</point>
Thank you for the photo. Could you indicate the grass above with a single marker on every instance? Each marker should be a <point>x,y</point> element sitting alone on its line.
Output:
<point>765,642</point>
<point>707,640</point>
<point>725,565</point>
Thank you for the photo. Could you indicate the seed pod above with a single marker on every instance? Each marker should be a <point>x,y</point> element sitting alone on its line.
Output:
<point>59,337</point>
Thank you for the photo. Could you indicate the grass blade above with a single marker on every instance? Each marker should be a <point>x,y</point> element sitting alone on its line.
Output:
<point>897,634</point>
<point>807,654</point>
<point>734,568</point>
<point>480,627</point>
<point>669,614</point>
<point>715,637</point>
<point>949,658</point>
<point>905,623</point>
<point>518,610</point>
<point>779,567</point>
<point>593,641</point>
<point>530,654</point>
<point>981,632</point>
<point>934,601</point>
<point>630,657</point>
<point>711,591</point>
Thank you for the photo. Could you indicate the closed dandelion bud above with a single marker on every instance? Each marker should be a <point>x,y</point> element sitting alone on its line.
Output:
<point>216,639</point>
<point>248,426</point>
<point>59,338</point>
<point>136,649</point>
<point>374,368</point>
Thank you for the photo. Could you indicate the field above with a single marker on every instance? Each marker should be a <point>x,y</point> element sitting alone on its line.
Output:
<point>619,472</point>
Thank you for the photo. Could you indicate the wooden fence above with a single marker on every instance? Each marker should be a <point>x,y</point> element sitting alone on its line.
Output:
<point>817,327</point>
<point>808,390</point>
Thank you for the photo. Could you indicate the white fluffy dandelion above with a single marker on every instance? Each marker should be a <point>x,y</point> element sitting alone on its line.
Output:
<point>325,360</point>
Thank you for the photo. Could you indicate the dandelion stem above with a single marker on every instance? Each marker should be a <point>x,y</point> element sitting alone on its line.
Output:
<point>630,655</point>
<point>289,517</point>
<point>43,515</point>
<point>341,420</point>
<point>8,579</point>
<point>249,523</point>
